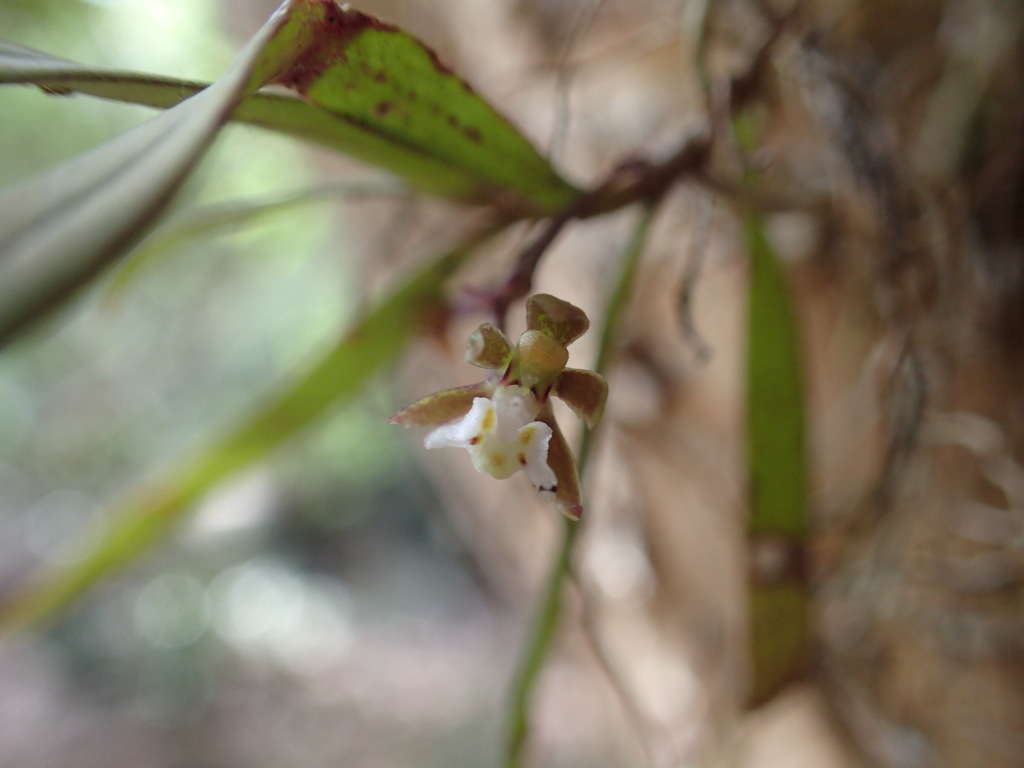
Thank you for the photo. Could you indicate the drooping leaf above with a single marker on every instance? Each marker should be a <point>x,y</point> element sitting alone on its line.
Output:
<point>151,513</point>
<point>58,230</point>
<point>377,75</point>
<point>369,90</point>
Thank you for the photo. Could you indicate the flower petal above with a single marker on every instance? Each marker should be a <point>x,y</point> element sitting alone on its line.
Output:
<point>489,348</point>
<point>567,492</point>
<point>470,431</point>
<point>533,441</point>
<point>515,407</point>
<point>583,391</point>
<point>495,458</point>
<point>441,407</point>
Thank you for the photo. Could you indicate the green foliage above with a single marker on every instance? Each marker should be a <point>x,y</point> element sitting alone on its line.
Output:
<point>777,455</point>
<point>370,74</point>
<point>215,219</point>
<point>775,403</point>
<point>370,90</point>
<point>779,637</point>
<point>376,93</point>
<point>59,230</point>
<point>379,95</point>
<point>338,377</point>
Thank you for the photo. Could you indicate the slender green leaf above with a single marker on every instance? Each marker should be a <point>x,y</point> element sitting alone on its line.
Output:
<point>779,636</point>
<point>57,231</point>
<point>147,516</point>
<point>775,402</point>
<point>777,454</point>
<point>220,217</point>
<point>369,90</point>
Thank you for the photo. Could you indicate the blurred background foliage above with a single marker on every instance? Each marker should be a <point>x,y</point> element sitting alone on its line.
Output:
<point>301,560</point>
<point>333,607</point>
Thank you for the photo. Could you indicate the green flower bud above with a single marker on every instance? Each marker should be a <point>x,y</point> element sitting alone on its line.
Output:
<point>539,359</point>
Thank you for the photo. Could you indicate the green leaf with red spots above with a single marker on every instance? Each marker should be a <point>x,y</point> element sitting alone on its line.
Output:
<point>374,74</point>
<point>367,89</point>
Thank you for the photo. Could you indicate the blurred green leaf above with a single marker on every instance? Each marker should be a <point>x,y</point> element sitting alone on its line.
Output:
<point>59,230</point>
<point>369,90</point>
<point>373,343</point>
<point>779,637</point>
<point>775,403</point>
<point>777,455</point>
<point>220,217</point>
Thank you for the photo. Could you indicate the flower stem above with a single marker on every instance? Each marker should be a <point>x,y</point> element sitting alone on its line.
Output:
<point>545,624</point>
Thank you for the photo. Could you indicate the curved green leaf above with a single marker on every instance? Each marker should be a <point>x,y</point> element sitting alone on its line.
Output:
<point>216,218</point>
<point>376,75</point>
<point>373,343</point>
<point>58,230</point>
<point>369,90</point>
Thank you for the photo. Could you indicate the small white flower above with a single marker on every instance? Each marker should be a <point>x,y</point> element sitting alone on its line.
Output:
<point>502,436</point>
<point>506,422</point>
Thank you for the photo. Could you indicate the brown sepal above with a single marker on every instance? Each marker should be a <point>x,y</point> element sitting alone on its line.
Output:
<point>559,319</point>
<point>583,391</point>
<point>567,494</point>
<point>441,407</point>
<point>489,348</point>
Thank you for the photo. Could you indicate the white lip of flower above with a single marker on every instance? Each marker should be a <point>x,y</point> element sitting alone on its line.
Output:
<point>502,436</point>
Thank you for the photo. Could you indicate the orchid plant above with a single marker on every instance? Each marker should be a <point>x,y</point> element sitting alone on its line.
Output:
<point>506,422</point>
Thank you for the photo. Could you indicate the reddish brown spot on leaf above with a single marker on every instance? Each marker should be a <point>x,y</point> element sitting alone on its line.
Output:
<point>382,108</point>
<point>330,36</point>
<point>439,65</point>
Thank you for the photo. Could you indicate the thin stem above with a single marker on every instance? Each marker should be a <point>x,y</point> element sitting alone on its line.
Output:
<point>537,648</point>
<point>590,605</point>
<point>546,622</point>
<point>701,28</point>
<point>585,16</point>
